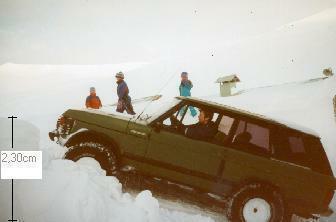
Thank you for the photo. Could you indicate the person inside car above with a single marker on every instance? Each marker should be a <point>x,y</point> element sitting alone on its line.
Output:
<point>205,129</point>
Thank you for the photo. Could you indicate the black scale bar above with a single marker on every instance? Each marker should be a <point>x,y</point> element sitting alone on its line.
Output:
<point>12,220</point>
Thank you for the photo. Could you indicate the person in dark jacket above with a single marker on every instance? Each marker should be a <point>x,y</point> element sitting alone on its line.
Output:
<point>205,129</point>
<point>185,88</point>
<point>93,101</point>
<point>124,100</point>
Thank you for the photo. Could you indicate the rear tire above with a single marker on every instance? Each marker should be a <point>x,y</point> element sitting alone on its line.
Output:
<point>256,203</point>
<point>96,150</point>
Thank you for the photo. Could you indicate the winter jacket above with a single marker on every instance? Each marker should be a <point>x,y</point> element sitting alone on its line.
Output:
<point>200,131</point>
<point>185,88</point>
<point>122,91</point>
<point>93,101</point>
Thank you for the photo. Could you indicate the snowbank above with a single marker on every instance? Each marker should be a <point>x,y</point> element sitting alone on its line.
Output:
<point>73,191</point>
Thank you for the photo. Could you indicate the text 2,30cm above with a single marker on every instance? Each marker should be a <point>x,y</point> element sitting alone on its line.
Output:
<point>17,157</point>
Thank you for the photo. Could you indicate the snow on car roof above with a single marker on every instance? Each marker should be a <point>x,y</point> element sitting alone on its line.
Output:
<point>218,103</point>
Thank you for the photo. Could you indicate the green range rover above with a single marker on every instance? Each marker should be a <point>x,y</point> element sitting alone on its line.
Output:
<point>268,170</point>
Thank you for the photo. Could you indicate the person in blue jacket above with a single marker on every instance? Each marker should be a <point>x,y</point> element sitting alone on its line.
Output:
<point>185,88</point>
<point>124,100</point>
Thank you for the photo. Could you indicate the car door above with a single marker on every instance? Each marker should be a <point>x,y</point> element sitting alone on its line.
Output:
<point>134,146</point>
<point>138,136</point>
<point>185,160</point>
<point>250,150</point>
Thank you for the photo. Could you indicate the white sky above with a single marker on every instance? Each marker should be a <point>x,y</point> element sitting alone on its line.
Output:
<point>107,31</point>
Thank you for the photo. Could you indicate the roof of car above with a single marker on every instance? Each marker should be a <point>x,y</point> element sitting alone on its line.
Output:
<point>250,114</point>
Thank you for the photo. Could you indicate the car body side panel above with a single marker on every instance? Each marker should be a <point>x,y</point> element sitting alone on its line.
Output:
<point>191,157</point>
<point>115,128</point>
<point>296,183</point>
<point>173,174</point>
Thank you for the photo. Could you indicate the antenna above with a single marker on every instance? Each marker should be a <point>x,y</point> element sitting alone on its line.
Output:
<point>159,92</point>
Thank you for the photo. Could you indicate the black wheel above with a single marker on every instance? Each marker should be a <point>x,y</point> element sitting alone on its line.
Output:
<point>256,203</point>
<point>96,150</point>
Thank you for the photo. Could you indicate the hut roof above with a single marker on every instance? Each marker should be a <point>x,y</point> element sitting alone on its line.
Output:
<point>226,79</point>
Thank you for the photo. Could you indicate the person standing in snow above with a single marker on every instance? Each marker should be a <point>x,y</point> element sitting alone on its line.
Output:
<point>185,88</point>
<point>124,100</point>
<point>93,101</point>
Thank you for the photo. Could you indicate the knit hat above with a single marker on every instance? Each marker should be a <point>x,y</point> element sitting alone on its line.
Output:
<point>120,75</point>
<point>184,74</point>
<point>92,89</point>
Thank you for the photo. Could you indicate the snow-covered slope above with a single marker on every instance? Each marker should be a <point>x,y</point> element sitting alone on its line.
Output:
<point>294,52</point>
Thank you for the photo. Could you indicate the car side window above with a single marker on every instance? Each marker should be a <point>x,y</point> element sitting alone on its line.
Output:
<point>224,128</point>
<point>290,147</point>
<point>184,115</point>
<point>296,144</point>
<point>167,121</point>
<point>185,120</point>
<point>225,125</point>
<point>189,119</point>
<point>252,137</point>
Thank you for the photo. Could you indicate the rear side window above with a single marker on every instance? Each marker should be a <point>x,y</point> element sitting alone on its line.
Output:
<point>252,138</point>
<point>296,144</point>
<point>290,147</point>
<point>301,149</point>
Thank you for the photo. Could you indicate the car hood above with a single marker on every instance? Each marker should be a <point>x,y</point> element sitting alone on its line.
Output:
<point>99,118</point>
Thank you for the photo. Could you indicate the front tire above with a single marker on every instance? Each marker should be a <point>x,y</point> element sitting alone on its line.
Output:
<point>256,203</point>
<point>96,150</point>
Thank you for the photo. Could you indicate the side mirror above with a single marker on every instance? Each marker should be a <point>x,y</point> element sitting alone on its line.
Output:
<point>157,127</point>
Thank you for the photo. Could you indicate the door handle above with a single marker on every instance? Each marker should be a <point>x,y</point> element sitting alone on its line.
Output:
<point>138,133</point>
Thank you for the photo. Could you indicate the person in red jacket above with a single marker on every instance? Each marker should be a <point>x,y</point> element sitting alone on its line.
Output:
<point>93,101</point>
